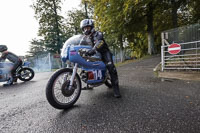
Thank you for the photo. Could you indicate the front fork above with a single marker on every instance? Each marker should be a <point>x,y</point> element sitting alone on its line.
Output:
<point>73,76</point>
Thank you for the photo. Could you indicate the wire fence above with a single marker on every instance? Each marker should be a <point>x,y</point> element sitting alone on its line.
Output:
<point>45,62</point>
<point>183,34</point>
<point>181,48</point>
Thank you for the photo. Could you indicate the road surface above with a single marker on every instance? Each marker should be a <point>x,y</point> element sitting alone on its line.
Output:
<point>148,104</point>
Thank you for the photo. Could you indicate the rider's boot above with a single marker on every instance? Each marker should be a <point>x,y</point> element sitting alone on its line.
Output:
<point>14,77</point>
<point>115,81</point>
<point>117,93</point>
<point>113,75</point>
<point>10,82</point>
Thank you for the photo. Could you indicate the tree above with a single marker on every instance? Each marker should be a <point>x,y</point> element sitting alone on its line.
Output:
<point>110,19</point>
<point>150,30</point>
<point>194,5</point>
<point>146,9</point>
<point>73,20</point>
<point>74,17</point>
<point>47,12</point>
<point>139,23</point>
<point>37,47</point>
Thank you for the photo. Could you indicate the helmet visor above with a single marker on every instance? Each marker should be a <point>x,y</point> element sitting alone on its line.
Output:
<point>87,30</point>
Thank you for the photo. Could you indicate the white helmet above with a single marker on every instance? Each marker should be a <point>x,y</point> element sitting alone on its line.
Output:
<point>3,48</point>
<point>87,23</point>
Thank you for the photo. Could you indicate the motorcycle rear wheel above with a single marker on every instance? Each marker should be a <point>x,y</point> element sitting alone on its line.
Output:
<point>108,81</point>
<point>58,93</point>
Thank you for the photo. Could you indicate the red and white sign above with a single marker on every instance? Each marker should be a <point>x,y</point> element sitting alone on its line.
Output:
<point>56,56</point>
<point>174,48</point>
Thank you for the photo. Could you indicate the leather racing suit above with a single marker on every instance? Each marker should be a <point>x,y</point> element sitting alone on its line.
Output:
<point>99,44</point>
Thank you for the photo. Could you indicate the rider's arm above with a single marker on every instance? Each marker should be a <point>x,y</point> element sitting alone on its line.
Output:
<point>100,41</point>
<point>2,60</point>
<point>3,57</point>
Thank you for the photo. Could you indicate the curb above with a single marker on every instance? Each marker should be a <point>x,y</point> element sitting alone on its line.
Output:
<point>181,75</point>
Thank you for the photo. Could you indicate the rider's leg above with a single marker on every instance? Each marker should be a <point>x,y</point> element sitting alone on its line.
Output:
<point>13,77</point>
<point>107,58</point>
<point>13,71</point>
<point>114,79</point>
<point>9,82</point>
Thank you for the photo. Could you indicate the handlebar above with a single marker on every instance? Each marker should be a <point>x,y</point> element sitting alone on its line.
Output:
<point>83,53</point>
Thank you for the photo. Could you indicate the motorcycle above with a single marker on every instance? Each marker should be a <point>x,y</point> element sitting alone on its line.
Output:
<point>23,72</point>
<point>64,86</point>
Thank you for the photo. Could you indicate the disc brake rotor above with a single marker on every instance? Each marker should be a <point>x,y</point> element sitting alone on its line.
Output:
<point>65,88</point>
<point>25,74</point>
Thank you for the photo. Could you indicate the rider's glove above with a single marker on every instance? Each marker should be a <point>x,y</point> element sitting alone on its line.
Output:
<point>91,52</point>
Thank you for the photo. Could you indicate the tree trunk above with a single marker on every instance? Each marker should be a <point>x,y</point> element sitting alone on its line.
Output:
<point>174,14</point>
<point>86,12</point>
<point>57,28</point>
<point>121,48</point>
<point>150,31</point>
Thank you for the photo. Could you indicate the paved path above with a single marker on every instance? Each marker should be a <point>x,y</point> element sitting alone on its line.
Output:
<point>149,104</point>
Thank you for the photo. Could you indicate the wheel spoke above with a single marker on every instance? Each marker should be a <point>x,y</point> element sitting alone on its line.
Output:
<point>26,74</point>
<point>57,89</point>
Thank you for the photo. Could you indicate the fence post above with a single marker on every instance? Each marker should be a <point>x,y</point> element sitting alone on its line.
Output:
<point>196,55</point>
<point>162,50</point>
<point>50,61</point>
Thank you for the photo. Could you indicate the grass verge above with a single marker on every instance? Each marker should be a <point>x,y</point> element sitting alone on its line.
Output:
<point>131,61</point>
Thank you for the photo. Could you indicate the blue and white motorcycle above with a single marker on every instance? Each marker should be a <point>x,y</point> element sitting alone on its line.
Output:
<point>64,86</point>
<point>23,72</point>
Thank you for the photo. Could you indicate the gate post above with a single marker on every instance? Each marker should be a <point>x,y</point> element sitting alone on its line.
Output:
<point>162,50</point>
<point>50,64</point>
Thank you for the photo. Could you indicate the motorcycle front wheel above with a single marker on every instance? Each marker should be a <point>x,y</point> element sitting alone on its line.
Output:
<point>26,74</point>
<point>58,93</point>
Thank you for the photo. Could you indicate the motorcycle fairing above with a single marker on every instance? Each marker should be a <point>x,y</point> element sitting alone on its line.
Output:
<point>73,41</point>
<point>96,70</point>
<point>95,75</point>
<point>76,58</point>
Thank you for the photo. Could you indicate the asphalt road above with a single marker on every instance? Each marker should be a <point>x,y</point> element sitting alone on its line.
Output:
<point>149,104</point>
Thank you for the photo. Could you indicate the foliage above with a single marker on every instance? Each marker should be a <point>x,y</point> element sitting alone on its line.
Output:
<point>193,7</point>
<point>73,19</point>
<point>121,21</point>
<point>36,47</point>
<point>129,19</point>
<point>47,13</point>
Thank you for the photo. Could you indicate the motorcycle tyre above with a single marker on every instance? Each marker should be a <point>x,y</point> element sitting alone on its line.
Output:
<point>108,84</point>
<point>49,90</point>
<point>30,70</point>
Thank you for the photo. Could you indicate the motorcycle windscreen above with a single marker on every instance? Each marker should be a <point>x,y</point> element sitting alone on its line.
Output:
<point>74,40</point>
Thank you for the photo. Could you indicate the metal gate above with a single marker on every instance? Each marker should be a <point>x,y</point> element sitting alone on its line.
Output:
<point>188,56</point>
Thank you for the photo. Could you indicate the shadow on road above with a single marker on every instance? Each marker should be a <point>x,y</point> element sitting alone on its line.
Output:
<point>65,111</point>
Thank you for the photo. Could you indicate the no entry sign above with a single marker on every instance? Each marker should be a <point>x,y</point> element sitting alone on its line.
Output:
<point>174,48</point>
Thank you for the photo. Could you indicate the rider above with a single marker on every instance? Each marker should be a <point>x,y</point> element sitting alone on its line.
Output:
<point>12,58</point>
<point>99,44</point>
